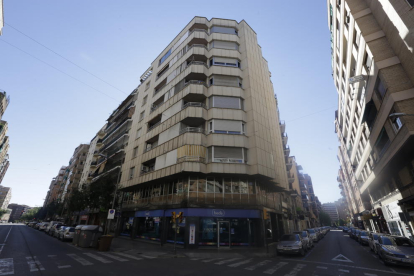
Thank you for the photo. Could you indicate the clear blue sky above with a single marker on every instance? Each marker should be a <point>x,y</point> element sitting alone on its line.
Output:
<point>50,113</point>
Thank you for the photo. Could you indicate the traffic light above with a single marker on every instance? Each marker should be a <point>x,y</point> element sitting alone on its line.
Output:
<point>265,214</point>
<point>173,216</point>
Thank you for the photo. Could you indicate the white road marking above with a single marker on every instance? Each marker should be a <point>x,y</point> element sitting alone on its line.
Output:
<point>128,256</point>
<point>80,260</point>
<point>148,257</point>
<point>109,255</point>
<point>369,274</point>
<point>98,258</point>
<point>6,266</point>
<point>4,243</point>
<point>241,263</point>
<point>64,266</point>
<point>253,267</point>
<point>275,268</point>
<point>212,260</point>
<point>343,270</point>
<point>322,267</point>
<point>34,264</point>
<point>195,259</point>
<point>228,261</point>
<point>342,258</point>
<point>296,270</point>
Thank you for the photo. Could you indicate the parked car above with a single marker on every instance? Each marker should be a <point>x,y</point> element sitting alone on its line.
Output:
<point>356,233</point>
<point>43,226</point>
<point>345,229</point>
<point>319,233</point>
<point>291,244</point>
<point>313,235</point>
<point>47,231</point>
<point>66,233</point>
<point>396,250</point>
<point>363,237</point>
<point>373,241</point>
<point>55,229</point>
<point>306,239</point>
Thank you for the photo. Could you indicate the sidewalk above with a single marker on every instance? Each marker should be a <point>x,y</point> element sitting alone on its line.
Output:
<point>140,247</point>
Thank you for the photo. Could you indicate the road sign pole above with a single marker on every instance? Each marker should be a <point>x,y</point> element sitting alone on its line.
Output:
<point>175,235</point>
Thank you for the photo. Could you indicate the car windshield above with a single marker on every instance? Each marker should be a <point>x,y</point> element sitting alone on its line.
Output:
<point>72,229</point>
<point>387,241</point>
<point>311,231</point>
<point>290,238</point>
<point>404,242</point>
<point>375,237</point>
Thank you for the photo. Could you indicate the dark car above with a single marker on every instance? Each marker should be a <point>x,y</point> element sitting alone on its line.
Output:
<point>396,250</point>
<point>363,237</point>
<point>291,244</point>
<point>345,229</point>
<point>355,235</point>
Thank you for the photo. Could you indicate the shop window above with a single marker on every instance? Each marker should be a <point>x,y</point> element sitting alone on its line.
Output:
<point>208,231</point>
<point>227,185</point>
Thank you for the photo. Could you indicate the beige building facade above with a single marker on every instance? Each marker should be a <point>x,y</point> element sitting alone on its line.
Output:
<point>372,67</point>
<point>205,140</point>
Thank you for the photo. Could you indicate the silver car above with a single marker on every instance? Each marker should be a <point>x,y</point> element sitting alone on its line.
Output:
<point>291,244</point>
<point>396,250</point>
<point>373,241</point>
<point>313,235</point>
<point>43,226</point>
<point>67,233</point>
<point>306,239</point>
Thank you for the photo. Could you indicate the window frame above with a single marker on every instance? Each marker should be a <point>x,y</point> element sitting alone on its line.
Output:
<point>394,120</point>
<point>131,173</point>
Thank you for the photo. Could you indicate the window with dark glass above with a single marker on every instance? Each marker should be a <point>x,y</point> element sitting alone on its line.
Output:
<point>165,56</point>
<point>380,88</point>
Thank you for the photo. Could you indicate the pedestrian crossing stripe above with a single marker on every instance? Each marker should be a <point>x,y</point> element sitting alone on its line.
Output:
<point>6,266</point>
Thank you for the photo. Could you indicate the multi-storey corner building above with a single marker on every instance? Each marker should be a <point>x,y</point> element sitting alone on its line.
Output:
<point>372,68</point>
<point>331,210</point>
<point>205,140</point>
<point>342,207</point>
<point>1,16</point>
<point>4,140</point>
<point>17,211</point>
<point>5,197</point>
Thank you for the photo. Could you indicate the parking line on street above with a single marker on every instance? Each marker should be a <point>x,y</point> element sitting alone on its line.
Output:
<point>34,264</point>
<point>148,257</point>
<point>343,270</point>
<point>98,258</point>
<point>6,266</point>
<point>240,263</point>
<point>322,267</point>
<point>64,266</point>
<point>275,268</point>
<point>128,256</point>
<point>228,261</point>
<point>79,259</point>
<point>212,260</point>
<point>253,267</point>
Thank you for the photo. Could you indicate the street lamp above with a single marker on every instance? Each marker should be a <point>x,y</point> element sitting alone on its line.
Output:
<point>399,115</point>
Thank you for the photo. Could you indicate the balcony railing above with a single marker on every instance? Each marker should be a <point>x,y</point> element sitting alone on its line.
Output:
<point>115,129</point>
<point>108,144</point>
<point>154,126</point>
<point>147,170</point>
<point>198,159</point>
<point>194,104</point>
<point>192,129</point>
<point>228,160</point>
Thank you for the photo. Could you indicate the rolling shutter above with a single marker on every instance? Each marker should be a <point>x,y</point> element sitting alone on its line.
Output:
<point>225,45</point>
<point>227,125</point>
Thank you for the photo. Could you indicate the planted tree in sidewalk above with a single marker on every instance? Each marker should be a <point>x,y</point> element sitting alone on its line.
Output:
<point>324,219</point>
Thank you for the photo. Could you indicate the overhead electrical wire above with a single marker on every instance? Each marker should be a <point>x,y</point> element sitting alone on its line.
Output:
<point>57,69</point>
<point>308,115</point>
<point>68,60</point>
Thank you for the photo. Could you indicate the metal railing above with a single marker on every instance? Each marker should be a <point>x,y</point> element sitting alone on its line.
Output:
<point>154,126</point>
<point>147,170</point>
<point>155,107</point>
<point>191,159</point>
<point>108,144</point>
<point>192,129</point>
<point>194,104</point>
<point>197,63</point>
<point>228,160</point>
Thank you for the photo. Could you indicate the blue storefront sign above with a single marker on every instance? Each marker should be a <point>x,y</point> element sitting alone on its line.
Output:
<point>152,213</point>
<point>218,213</point>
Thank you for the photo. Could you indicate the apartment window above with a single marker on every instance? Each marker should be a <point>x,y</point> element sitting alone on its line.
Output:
<point>227,154</point>
<point>226,126</point>
<point>225,102</point>
<point>357,38</point>
<point>165,56</point>
<point>135,152</point>
<point>411,2</point>
<point>223,30</point>
<point>131,172</point>
<point>139,133</point>
<point>144,101</point>
<point>380,88</point>
<point>224,45</point>
<point>368,61</point>
<point>226,81</point>
<point>147,85</point>
<point>142,115</point>
<point>396,122</point>
<point>231,62</point>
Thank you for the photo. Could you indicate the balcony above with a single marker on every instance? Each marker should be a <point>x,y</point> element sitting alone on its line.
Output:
<point>282,126</point>
<point>284,138</point>
<point>123,123</point>
<point>289,165</point>
<point>198,159</point>
<point>115,140</point>
<point>192,129</point>
<point>286,151</point>
<point>193,104</point>
<point>148,166</point>
<point>154,123</point>
<point>291,178</point>
<point>228,160</point>
<point>151,143</point>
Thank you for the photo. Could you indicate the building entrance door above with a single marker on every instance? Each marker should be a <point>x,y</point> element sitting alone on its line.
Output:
<point>224,234</point>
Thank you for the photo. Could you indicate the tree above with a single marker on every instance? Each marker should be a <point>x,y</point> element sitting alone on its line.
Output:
<point>341,222</point>
<point>78,201</point>
<point>324,219</point>
<point>30,214</point>
<point>100,193</point>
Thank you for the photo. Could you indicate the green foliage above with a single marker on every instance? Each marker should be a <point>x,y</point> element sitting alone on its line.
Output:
<point>30,214</point>
<point>324,219</point>
<point>2,212</point>
<point>100,193</point>
<point>78,201</point>
<point>341,222</point>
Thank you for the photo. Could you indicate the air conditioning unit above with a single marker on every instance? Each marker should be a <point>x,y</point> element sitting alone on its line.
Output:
<point>145,169</point>
<point>149,146</point>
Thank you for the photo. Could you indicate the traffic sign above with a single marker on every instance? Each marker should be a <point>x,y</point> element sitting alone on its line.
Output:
<point>111,214</point>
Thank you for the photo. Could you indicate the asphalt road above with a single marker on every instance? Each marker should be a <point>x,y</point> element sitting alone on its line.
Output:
<point>25,251</point>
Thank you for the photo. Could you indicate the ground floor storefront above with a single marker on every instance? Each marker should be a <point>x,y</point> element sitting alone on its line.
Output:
<point>204,227</point>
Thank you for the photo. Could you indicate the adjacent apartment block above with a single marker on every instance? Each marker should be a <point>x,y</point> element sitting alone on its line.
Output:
<point>205,140</point>
<point>5,196</point>
<point>372,68</point>
<point>331,210</point>
<point>1,16</point>
<point>4,140</point>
